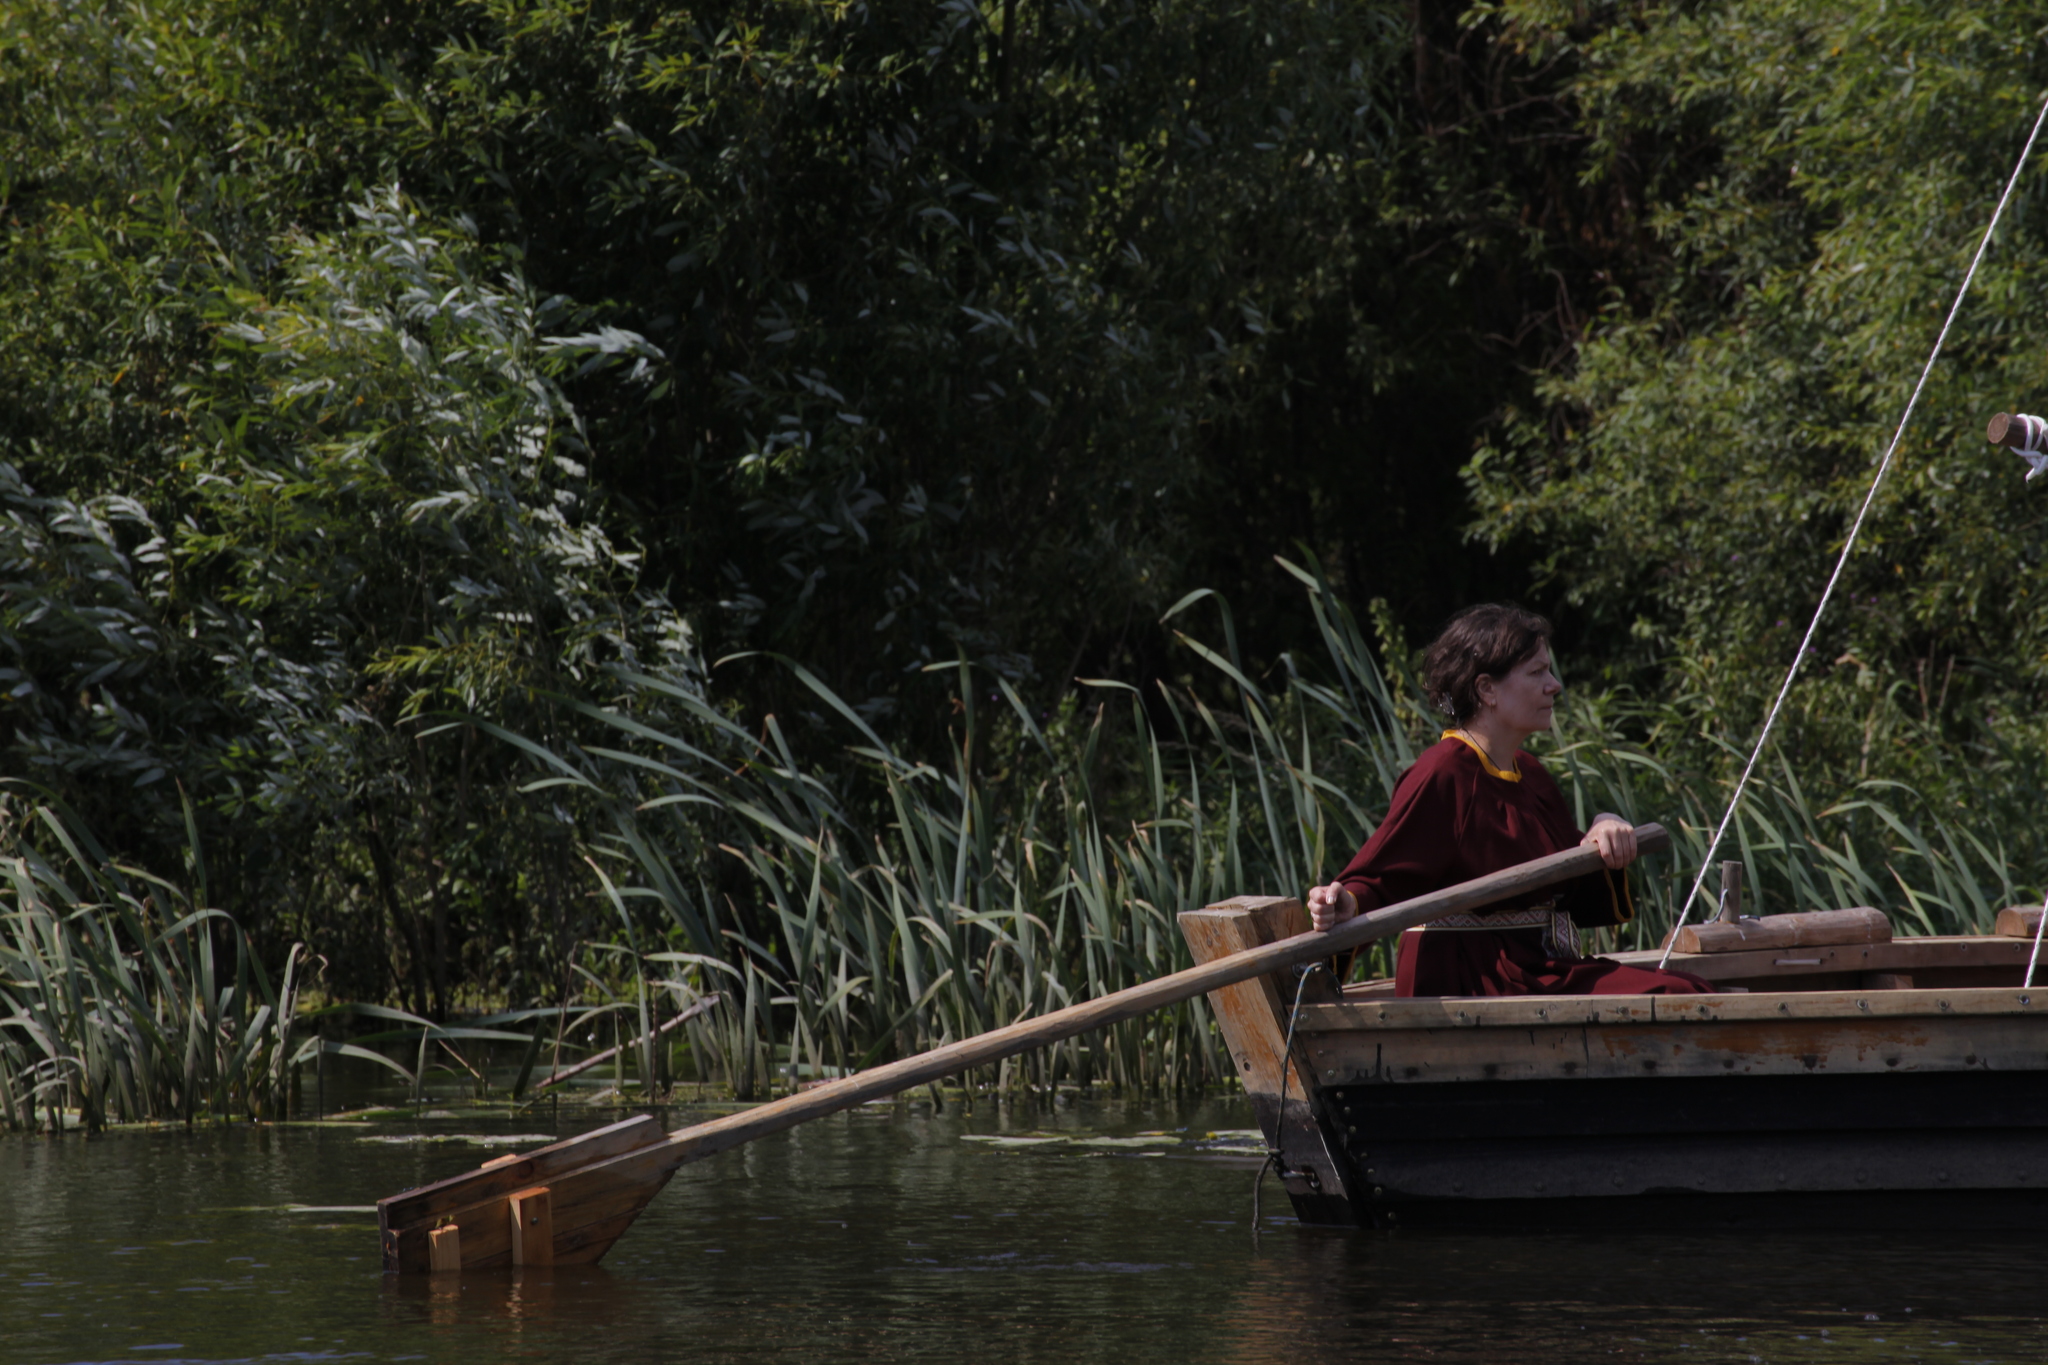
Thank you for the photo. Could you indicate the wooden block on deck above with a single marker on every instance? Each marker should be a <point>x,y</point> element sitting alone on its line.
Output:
<point>533,1227</point>
<point>2018,921</point>
<point>1816,928</point>
<point>444,1249</point>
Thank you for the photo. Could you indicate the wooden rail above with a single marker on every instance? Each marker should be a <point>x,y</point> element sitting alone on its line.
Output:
<point>598,1183</point>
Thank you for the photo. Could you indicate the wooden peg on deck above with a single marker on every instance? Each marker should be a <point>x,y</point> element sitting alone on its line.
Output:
<point>1731,893</point>
<point>533,1227</point>
<point>2017,921</point>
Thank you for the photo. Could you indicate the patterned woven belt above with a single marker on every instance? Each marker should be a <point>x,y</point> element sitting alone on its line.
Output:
<point>1560,935</point>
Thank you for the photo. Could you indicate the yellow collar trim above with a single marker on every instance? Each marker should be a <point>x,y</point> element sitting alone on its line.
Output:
<point>1484,761</point>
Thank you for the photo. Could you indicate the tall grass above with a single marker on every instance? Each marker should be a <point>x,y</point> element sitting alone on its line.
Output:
<point>122,998</point>
<point>850,902</point>
<point>1936,867</point>
<point>857,902</point>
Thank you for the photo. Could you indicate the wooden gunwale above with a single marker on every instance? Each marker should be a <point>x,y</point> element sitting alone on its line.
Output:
<point>1523,1012</point>
<point>1789,1033</point>
<point>1939,953</point>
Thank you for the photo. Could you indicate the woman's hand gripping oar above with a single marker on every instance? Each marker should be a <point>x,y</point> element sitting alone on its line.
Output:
<point>566,1204</point>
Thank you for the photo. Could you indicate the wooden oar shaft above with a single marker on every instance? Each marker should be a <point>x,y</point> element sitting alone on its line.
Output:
<point>593,1186</point>
<point>1030,1034</point>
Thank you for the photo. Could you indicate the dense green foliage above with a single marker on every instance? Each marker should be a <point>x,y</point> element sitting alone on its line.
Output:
<point>1816,180</point>
<point>422,428</point>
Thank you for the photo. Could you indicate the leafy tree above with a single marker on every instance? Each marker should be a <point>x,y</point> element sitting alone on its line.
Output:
<point>1816,181</point>
<point>364,363</point>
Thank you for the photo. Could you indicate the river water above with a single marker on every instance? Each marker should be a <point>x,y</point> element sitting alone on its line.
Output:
<point>1115,1231</point>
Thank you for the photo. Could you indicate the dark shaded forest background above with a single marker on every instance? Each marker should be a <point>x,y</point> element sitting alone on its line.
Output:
<point>436,440</point>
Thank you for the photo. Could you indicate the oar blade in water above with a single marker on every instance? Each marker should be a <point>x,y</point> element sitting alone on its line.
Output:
<point>598,1183</point>
<point>478,1203</point>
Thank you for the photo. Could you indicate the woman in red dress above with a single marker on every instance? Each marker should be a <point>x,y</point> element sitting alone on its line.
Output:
<point>1474,803</point>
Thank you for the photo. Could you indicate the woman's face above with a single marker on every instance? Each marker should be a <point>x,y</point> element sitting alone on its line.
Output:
<point>1524,698</point>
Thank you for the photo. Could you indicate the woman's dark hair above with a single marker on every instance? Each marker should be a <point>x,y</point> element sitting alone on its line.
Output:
<point>1490,639</point>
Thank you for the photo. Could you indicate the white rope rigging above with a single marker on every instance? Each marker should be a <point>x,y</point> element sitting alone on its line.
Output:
<point>1849,546</point>
<point>2035,956</point>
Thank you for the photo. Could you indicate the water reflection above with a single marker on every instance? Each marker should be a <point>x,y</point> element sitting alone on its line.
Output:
<point>893,1232</point>
<point>570,1299</point>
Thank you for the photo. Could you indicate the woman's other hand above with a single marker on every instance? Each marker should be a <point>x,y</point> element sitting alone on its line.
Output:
<point>1614,837</point>
<point>1329,906</point>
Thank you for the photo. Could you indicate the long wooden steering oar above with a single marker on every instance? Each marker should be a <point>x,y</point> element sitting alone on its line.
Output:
<point>567,1203</point>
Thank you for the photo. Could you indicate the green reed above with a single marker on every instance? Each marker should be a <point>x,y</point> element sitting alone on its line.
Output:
<point>849,902</point>
<point>1935,865</point>
<point>856,903</point>
<point>123,998</point>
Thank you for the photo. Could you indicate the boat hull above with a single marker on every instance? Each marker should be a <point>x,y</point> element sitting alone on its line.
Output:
<point>1792,1107</point>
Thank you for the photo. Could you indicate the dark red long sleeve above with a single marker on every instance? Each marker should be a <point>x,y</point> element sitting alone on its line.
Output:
<point>1455,817</point>
<point>1451,820</point>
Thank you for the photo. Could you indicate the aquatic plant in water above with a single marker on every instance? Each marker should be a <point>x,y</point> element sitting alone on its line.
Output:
<point>856,905</point>
<point>118,998</point>
<point>852,919</point>
<point>123,998</point>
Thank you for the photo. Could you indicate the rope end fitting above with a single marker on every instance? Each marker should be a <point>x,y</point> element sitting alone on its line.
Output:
<point>2022,433</point>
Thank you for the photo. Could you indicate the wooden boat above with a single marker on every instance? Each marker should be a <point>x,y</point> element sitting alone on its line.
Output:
<point>1827,1080</point>
<point>1849,1078</point>
<point>566,1203</point>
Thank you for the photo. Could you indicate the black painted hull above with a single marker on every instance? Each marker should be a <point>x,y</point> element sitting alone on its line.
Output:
<point>1954,1149</point>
